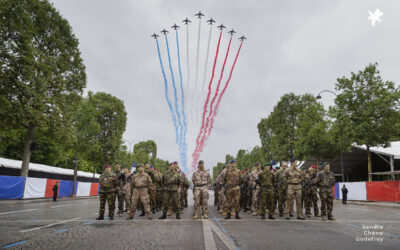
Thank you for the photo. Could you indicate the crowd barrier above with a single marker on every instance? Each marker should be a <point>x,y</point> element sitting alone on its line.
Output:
<point>16,187</point>
<point>370,191</point>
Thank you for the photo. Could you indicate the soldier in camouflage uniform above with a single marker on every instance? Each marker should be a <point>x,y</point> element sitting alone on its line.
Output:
<point>232,179</point>
<point>152,188</point>
<point>325,181</point>
<point>108,183</point>
<point>119,196</point>
<point>244,190</point>
<point>256,189</point>
<point>184,184</point>
<point>140,182</point>
<point>171,182</point>
<point>311,190</point>
<point>200,180</point>
<point>126,190</point>
<point>221,190</point>
<point>266,180</point>
<point>294,178</point>
<point>303,190</point>
<point>159,190</point>
<point>281,189</point>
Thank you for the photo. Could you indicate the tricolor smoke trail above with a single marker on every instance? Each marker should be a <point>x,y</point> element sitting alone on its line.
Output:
<point>166,94</point>
<point>208,95</point>
<point>184,145</point>
<point>196,154</point>
<point>201,145</point>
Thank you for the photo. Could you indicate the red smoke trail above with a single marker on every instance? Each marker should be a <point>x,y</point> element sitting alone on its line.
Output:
<point>199,145</point>
<point>208,94</point>
<point>219,100</point>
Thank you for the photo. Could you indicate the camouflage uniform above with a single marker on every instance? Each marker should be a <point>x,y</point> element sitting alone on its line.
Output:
<point>120,197</point>
<point>221,190</point>
<point>281,190</point>
<point>159,191</point>
<point>152,188</point>
<point>108,183</point>
<point>311,196</point>
<point>181,191</point>
<point>171,182</point>
<point>293,178</point>
<point>266,180</point>
<point>244,192</point>
<point>325,181</point>
<point>200,180</point>
<point>232,179</point>
<point>256,189</point>
<point>126,192</point>
<point>140,183</point>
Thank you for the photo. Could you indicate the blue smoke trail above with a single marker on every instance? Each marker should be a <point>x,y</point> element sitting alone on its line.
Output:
<point>182,154</point>
<point>166,95</point>
<point>184,158</point>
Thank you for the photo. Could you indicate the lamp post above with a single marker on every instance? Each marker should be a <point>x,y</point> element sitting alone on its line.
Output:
<point>341,144</point>
<point>75,161</point>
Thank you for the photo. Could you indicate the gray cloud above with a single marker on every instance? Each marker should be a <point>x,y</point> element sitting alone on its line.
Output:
<point>292,46</point>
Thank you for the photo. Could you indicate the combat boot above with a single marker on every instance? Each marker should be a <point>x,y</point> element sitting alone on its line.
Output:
<point>205,216</point>
<point>280,214</point>
<point>317,215</point>
<point>300,218</point>
<point>271,217</point>
<point>120,214</point>
<point>130,217</point>
<point>227,216</point>
<point>291,214</point>
<point>255,213</point>
<point>308,215</point>
<point>142,214</point>
<point>195,217</point>
<point>169,213</point>
<point>263,217</point>
<point>330,217</point>
<point>111,218</point>
<point>101,217</point>
<point>153,210</point>
<point>237,216</point>
<point>224,214</point>
<point>178,216</point>
<point>163,216</point>
<point>323,217</point>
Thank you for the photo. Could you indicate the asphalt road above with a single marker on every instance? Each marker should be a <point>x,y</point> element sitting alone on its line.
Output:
<point>70,224</point>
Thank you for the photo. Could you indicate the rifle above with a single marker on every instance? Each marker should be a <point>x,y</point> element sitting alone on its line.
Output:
<point>309,180</point>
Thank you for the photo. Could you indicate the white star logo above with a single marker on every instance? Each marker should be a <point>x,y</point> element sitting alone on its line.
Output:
<point>375,16</point>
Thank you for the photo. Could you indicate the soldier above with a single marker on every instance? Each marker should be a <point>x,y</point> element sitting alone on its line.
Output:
<point>200,180</point>
<point>281,189</point>
<point>344,194</point>
<point>256,188</point>
<point>325,181</point>
<point>158,190</point>
<point>108,184</point>
<point>216,190</point>
<point>221,190</point>
<point>244,190</point>
<point>152,188</point>
<point>232,179</point>
<point>249,192</point>
<point>184,184</point>
<point>171,181</point>
<point>303,189</point>
<point>126,190</point>
<point>266,180</point>
<point>120,176</point>
<point>293,178</point>
<point>140,182</point>
<point>311,189</point>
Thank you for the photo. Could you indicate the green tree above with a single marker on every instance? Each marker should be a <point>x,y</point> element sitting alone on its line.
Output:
<point>278,131</point>
<point>367,109</point>
<point>42,73</point>
<point>149,147</point>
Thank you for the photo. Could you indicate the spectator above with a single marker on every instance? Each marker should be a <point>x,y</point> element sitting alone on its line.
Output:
<point>344,194</point>
<point>55,191</point>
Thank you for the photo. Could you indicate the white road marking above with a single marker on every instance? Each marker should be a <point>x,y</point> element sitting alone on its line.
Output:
<point>36,228</point>
<point>361,209</point>
<point>68,205</point>
<point>209,241</point>
<point>19,211</point>
<point>229,244</point>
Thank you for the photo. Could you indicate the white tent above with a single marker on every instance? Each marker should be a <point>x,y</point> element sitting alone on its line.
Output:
<point>8,163</point>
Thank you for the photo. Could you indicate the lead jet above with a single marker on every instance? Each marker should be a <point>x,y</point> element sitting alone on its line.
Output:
<point>175,27</point>
<point>242,38</point>
<point>231,32</point>
<point>186,21</point>
<point>211,21</point>
<point>155,36</point>
<point>221,27</point>
<point>199,15</point>
<point>164,31</point>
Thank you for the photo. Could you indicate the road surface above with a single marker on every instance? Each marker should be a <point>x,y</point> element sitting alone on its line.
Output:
<point>71,224</point>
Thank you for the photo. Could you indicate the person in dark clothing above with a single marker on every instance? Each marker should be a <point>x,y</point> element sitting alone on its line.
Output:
<point>55,191</point>
<point>344,194</point>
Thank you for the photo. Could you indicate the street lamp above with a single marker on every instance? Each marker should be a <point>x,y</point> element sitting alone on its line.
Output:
<point>75,161</point>
<point>341,144</point>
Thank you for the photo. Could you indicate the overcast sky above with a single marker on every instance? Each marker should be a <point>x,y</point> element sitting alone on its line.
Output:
<point>293,46</point>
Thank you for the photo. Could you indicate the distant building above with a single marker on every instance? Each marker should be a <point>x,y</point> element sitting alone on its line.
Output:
<point>385,163</point>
